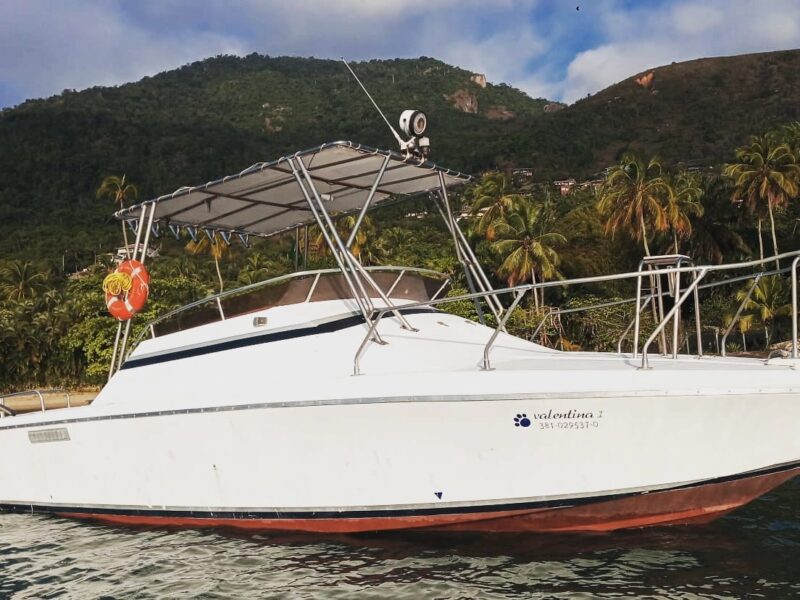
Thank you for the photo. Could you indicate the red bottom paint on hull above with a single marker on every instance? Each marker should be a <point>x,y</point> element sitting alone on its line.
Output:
<point>698,504</point>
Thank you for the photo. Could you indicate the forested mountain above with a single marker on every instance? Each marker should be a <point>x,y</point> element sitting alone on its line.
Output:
<point>691,112</point>
<point>220,115</point>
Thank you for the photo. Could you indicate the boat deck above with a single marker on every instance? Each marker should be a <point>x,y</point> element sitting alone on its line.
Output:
<point>305,355</point>
<point>444,356</point>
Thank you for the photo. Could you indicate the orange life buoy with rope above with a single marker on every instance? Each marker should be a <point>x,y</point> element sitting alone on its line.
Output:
<point>127,289</point>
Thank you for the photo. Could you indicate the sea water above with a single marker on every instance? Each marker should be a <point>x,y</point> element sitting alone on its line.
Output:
<point>752,553</point>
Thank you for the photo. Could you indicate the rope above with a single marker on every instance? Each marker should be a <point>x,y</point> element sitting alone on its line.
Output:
<point>116,283</point>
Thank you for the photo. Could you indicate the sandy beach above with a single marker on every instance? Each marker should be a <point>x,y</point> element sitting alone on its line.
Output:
<point>22,404</point>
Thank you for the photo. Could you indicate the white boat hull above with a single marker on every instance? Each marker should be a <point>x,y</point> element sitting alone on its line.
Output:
<point>463,462</point>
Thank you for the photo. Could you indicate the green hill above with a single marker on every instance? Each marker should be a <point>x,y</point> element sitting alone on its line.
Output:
<point>220,115</point>
<point>696,111</point>
<point>216,117</point>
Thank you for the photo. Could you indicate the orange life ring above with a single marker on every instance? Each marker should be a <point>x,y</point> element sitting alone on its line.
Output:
<point>127,302</point>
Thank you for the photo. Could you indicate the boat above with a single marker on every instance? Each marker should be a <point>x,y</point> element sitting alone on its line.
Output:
<point>350,400</point>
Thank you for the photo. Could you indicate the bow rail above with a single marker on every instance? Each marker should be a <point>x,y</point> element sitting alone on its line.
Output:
<point>699,273</point>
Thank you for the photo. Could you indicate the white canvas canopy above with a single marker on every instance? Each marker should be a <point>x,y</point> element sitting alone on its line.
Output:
<point>267,198</point>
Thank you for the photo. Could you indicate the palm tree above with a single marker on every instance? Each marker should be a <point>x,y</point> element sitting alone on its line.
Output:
<point>682,203</point>
<point>183,267</point>
<point>255,269</point>
<point>713,238</point>
<point>394,246</point>
<point>214,246</point>
<point>21,281</point>
<point>770,300</point>
<point>765,178</point>
<point>743,325</point>
<point>790,134</point>
<point>526,246</point>
<point>120,191</point>
<point>633,198</point>
<point>492,198</point>
<point>344,225</point>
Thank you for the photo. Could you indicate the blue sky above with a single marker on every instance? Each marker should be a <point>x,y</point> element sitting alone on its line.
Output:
<point>545,47</point>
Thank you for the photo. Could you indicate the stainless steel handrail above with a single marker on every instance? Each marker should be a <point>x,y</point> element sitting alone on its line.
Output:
<point>735,319</point>
<point>672,313</point>
<point>217,298</point>
<point>633,321</point>
<point>643,304</point>
<point>700,273</point>
<point>662,265</point>
<point>500,326</point>
<point>567,311</point>
<point>39,393</point>
<point>794,306</point>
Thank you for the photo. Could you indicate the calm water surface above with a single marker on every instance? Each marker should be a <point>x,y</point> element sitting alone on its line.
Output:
<point>754,553</point>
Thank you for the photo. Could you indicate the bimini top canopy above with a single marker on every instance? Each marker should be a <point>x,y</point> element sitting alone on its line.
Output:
<point>268,198</point>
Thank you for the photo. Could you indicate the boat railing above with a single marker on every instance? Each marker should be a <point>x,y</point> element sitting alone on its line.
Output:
<point>7,411</point>
<point>217,300</point>
<point>698,273</point>
<point>554,312</point>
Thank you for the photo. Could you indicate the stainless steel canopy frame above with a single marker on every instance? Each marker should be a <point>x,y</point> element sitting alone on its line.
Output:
<point>119,347</point>
<point>265,200</point>
<point>318,185</point>
<point>305,188</point>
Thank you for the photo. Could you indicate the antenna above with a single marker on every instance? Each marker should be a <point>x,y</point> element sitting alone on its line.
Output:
<point>375,104</point>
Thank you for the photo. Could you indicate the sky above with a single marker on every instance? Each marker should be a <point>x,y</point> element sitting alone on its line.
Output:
<point>556,49</point>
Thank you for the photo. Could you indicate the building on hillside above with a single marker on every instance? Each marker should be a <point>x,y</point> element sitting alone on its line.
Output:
<point>466,212</point>
<point>565,186</point>
<point>593,184</point>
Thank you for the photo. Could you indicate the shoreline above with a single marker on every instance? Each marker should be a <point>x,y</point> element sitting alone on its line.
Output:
<point>31,403</point>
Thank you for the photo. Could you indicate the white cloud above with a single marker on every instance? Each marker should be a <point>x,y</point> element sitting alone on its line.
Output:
<point>46,46</point>
<point>503,56</point>
<point>683,31</point>
<point>45,49</point>
<point>692,19</point>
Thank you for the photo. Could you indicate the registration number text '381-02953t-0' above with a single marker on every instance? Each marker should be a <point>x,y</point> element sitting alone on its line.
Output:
<point>550,419</point>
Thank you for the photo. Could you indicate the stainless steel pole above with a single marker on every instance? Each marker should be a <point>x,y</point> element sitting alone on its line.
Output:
<point>335,235</point>
<point>478,270</point>
<point>794,306</point>
<point>457,246</point>
<point>677,306</point>
<point>367,202</point>
<point>117,349</point>
<point>735,319</point>
<point>637,316</point>
<point>114,353</point>
<point>142,258</point>
<point>676,320</point>
<point>296,247</point>
<point>364,311</point>
<point>500,326</point>
<point>475,265</point>
<point>403,322</point>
